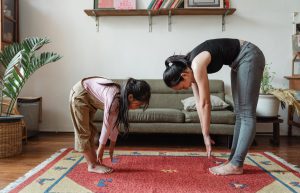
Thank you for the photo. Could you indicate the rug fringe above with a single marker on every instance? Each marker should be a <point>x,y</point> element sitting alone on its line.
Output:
<point>292,166</point>
<point>30,173</point>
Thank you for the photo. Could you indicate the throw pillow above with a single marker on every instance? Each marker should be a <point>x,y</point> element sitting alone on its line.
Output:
<point>189,104</point>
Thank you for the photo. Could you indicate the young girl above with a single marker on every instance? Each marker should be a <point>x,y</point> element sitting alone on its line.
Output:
<point>247,64</point>
<point>94,93</point>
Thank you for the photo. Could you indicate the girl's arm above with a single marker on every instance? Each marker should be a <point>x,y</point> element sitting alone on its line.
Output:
<point>108,130</point>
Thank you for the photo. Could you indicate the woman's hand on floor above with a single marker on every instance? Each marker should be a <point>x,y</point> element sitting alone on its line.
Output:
<point>208,142</point>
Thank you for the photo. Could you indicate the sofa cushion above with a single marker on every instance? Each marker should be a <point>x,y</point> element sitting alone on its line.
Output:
<point>158,115</point>
<point>189,104</point>
<point>151,115</point>
<point>217,117</point>
<point>167,100</point>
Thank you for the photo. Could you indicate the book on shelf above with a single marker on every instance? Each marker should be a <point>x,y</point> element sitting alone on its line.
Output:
<point>158,4</point>
<point>173,4</point>
<point>152,3</point>
<point>227,4</point>
<point>165,4</point>
<point>104,4</point>
<point>168,4</point>
<point>125,4</point>
<point>177,4</point>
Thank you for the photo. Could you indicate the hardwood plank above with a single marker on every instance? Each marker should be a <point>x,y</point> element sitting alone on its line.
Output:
<point>42,147</point>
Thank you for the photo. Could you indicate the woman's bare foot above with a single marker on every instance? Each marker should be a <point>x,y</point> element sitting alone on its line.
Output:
<point>100,169</point>
<point>222,164</point>
<point>225,170</point>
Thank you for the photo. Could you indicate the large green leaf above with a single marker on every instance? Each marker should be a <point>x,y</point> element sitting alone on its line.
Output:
<point>10,90</point>
<point>33,44</point>
<point>15,61</point>
<point>18,63</point>
<point>9,53</point>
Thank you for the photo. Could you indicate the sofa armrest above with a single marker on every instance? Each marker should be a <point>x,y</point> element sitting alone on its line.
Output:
<point>229,100</point>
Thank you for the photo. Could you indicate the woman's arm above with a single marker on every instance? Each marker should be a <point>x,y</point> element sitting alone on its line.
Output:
<point>202,95</point>
<point>201,89</point>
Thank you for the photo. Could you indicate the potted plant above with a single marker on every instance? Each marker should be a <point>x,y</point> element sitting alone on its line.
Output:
<point>270,97</point>
<point>17,63</point>
<point>268,104</point>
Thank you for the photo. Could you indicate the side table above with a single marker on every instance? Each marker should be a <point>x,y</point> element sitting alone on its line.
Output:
<point>276,128</point>
<point>294,83</point>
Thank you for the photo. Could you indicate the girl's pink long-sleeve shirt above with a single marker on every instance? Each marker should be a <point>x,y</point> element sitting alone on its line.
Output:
<point>105,94</point>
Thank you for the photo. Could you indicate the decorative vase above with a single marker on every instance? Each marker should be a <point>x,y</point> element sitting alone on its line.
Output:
<point>267,106</point>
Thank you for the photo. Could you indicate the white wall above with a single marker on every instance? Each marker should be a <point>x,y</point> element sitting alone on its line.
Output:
<point>123,47</point>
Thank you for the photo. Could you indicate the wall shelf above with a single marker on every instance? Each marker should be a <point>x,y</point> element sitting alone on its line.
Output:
<point>169,12</point>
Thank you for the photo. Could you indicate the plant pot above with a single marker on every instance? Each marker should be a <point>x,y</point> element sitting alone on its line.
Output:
<point>10,135</point>
<point>267,106</point>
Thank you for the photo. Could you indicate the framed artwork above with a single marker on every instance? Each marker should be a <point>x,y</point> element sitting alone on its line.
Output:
<point>203,3</point>
<point>103,4</point>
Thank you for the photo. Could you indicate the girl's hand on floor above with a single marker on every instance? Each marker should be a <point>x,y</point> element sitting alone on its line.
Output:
<point>100,152</point>
<point>111,149</point>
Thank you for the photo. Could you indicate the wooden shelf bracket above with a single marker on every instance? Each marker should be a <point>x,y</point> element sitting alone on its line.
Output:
<point>150,20</point>
<point>170,21</point>
<point>96,20</point>
<point>223,20</point>
<point>223,23</point>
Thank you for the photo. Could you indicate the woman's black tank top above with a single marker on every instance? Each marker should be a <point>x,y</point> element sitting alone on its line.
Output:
<point>222,51</point>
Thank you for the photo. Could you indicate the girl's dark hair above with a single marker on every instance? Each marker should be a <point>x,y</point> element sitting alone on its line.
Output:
<point>140,91</point>
<point>172,74</point>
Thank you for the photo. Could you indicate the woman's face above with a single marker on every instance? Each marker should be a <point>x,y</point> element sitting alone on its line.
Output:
<point>187,81</point>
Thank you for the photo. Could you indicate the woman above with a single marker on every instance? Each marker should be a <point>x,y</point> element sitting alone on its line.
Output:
<point>93,93</point>
<point>247,64</point>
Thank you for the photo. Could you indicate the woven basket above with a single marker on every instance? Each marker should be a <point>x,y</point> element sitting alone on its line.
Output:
<point>10,138</point>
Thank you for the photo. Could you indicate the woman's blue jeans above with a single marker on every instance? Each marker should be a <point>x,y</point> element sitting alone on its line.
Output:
<point>246,75</point>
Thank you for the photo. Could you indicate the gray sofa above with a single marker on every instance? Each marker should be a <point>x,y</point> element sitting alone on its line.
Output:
<point>165,113</point>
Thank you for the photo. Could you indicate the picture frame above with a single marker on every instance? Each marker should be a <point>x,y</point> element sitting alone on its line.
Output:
<point>103,4</point>
<point>203,4</point>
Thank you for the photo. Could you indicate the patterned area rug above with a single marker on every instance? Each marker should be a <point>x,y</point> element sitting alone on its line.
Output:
<point>158,171</point>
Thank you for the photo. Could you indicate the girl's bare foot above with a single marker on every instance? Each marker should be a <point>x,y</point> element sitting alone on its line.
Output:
<point>100,169</point>
<point>225,170</point>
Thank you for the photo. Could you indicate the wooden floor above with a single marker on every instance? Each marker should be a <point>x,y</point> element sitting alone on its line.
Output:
<point>40,148</point>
